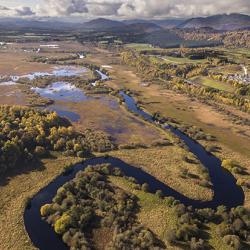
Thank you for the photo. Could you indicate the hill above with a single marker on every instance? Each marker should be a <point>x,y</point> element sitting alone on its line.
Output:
<point>164,38</point>
<point>103,24</point>
<point>219,22</point>
<point>141,28</point>
<point>169,23</point>
<point>164,23</point>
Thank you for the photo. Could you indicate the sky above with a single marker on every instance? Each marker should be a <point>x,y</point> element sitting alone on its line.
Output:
<point>123,9</point>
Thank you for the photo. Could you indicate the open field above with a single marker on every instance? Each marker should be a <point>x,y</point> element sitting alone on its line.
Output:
<point>240,55</point>
<point>15,189</point>
<point>106,115</point>
<point>154,212</point>
<point>184,60</point>
<point>16,63</point>
<point>140,46</point>
<point>59,46</point>
<point>167,165</point>
<point>206,81</point>
<point>12,95</point>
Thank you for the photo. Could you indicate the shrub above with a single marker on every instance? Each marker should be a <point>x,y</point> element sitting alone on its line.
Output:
<point>206,214</point>
<point>223,229</point>
<point>185,232</point>
<point>145,187</point>
<point>27,202</point>
<point>237,170</point>
<point>197,244</point>
<point>68,168</point>
<point>170,201</point>
<point>40,151</point>
<point>183,173</point>
<point>240,182</point>
<point>66,238</point>
<point>238,224</point>
<point>91,196</point>
<point>46,210</point>
<point>232,241</point>
<point>26,133</point>
<point>221,210</point>
<point>161,143</point>
<point>81,154</point>
<point>240,211</point>
<point>180,209</point>
<point>62,224</point>
<point>159,193</point>
<point>232,166</point>
<point>204,183</point>
<point>170,237</point>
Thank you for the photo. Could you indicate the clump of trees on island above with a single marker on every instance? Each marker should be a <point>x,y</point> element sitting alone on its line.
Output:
<point>26,134</point>
<point>90,201</point>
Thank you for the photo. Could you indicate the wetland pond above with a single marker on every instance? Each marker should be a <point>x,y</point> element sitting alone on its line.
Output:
<point>65,91</point>
<point>62,91</point>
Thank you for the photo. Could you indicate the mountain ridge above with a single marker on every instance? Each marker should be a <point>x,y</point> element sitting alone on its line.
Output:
<point>223,22</point>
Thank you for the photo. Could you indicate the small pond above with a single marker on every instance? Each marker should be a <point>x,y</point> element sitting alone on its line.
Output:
<point>62,91</point>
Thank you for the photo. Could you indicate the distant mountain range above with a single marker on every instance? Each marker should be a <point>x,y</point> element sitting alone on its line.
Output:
<point>105,24</point>
<point>218,22</point>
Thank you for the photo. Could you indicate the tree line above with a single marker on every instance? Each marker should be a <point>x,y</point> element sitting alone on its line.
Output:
<point>27,134</point>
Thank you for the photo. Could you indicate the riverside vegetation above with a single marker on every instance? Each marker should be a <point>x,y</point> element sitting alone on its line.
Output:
<point>101,199</point>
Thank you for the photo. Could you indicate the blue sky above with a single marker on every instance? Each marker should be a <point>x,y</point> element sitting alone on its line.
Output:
<point>122,8</point>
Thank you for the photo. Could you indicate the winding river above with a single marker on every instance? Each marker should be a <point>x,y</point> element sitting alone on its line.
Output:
<point>226,192</point>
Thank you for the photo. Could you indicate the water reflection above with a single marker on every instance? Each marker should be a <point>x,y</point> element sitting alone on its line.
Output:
<point>62,91</point>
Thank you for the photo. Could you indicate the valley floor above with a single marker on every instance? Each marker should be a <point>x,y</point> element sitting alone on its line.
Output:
<point>166,163</point>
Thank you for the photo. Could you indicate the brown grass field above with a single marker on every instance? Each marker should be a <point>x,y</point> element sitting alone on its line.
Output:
<point>16,63</point>
<point>12,95</point>
<point>15,189</point>
<point>115,121</point>
<point>166,164</point>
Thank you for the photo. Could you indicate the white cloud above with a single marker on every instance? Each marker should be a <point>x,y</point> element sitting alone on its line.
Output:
<point>24,11</point>
<point>181,8</point>
<point>3,8</point>
<point>17,11</point>
<point>132,8</point>
<point>62,7</point>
